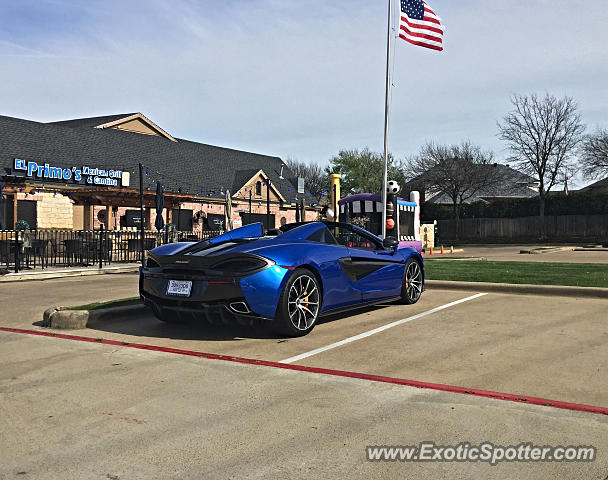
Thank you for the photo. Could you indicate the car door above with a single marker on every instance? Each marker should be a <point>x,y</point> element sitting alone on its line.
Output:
<point>329,256</point>
<point>373,270</point>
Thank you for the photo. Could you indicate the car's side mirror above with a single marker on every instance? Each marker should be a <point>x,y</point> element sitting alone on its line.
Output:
<point>390,242</point>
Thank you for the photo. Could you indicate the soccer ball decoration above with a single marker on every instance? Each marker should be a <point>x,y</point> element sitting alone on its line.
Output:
<point>392,187</point>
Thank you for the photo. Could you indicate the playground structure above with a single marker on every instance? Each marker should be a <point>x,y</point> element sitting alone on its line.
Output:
<point>365,210</point>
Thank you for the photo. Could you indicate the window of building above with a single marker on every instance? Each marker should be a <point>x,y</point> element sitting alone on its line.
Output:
<point>182,219</point>
<point>258,188</point>
<point>266,221</point>
<point>26,210</point>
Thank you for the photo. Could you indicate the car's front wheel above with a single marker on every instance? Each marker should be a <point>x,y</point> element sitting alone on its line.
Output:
<point>412,282</point>
<point>299,305</point>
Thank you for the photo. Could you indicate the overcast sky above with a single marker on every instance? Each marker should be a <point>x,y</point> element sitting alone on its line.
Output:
<point>300,79</point>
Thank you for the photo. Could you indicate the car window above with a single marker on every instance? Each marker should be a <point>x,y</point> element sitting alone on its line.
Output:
<point>323,235</point>
<point>349,237</point>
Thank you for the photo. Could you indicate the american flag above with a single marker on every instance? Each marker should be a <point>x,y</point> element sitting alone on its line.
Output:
<point>419,25</point>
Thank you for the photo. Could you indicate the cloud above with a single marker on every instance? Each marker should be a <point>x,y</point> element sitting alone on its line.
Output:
<point>301,79</point>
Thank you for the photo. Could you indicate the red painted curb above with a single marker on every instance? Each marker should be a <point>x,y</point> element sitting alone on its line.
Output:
<point>324,371</point>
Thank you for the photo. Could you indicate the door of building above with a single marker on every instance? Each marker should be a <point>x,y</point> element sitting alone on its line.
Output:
<point>7,213</point>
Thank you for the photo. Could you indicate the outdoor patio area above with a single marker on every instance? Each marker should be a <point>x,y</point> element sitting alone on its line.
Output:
<point>43,249</point>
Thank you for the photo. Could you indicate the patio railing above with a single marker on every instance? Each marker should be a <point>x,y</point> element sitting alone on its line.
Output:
<point>21,250</point>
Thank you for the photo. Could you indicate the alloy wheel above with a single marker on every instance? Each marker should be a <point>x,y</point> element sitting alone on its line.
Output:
<point>303,302</point>
<point>413,281</point>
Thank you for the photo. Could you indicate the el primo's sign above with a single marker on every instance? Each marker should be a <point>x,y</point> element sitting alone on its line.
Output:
<point>88,175</point>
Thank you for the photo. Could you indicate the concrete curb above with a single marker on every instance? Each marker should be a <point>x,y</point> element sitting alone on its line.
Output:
<point>598,249</point>
<point>546,250</point>
<point>522,289</point>
<point>34,276</point>
<point>61,318</point>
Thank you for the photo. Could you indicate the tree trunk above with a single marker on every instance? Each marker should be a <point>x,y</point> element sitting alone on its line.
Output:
<point>541,215</point>
<point>456,207</point>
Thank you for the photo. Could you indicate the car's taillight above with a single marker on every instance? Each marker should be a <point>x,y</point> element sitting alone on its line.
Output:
<point>240,265</point>
<point>151,263</point>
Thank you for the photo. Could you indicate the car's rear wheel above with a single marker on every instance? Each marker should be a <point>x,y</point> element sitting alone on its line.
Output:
<point>299,304</point>
<point>412,282</point>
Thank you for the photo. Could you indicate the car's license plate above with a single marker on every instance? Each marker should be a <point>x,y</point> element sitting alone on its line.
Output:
<point>180,288</point>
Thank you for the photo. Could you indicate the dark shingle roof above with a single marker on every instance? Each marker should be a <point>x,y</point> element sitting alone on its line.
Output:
<point>91,121</point>
<point>241,177</point>
<point>599,186</point>
<point>193,166</point>
<point>514,184</point>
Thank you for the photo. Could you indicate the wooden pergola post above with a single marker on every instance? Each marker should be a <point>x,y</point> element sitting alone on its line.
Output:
<point>15,220</point>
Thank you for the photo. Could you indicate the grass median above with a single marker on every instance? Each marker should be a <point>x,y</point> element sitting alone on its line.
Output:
<point>533,273</point>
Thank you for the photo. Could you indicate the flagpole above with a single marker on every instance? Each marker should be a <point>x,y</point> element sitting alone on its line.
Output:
<point>386,108</point>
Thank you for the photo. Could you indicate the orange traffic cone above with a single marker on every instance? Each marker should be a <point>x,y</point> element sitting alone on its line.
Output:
<point>441,249</point>
<point>431,251</point>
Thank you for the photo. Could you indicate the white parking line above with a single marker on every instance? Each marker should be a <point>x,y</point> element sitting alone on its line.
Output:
<point>302,356</point>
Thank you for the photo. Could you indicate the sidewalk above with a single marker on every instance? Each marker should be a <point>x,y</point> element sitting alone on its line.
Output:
<point>512,253</point>
<point>61,272</point>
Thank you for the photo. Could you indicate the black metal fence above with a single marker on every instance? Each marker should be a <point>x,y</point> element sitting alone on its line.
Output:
<point>24,250</point>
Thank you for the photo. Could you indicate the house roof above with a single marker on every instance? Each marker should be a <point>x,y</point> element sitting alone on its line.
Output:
<point>515,184</point>
<point>133,122</point>
<point>599,186</point>
<point>196,168</point>
<point>91,122</point>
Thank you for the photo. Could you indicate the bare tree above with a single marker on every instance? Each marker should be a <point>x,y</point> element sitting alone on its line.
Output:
<point>542,134</point>
<point>594,154</point>
<point>458,171</point>
<point>316,182</point>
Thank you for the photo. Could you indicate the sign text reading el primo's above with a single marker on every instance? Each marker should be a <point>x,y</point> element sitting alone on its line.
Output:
<point>92,176</point>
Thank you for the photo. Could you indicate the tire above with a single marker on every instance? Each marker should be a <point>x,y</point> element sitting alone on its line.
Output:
<point>411,290</point>
<point>299,305</point>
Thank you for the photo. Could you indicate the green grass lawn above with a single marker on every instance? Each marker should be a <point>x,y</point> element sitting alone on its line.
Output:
<point>112,303</point>
<point>535,273</point>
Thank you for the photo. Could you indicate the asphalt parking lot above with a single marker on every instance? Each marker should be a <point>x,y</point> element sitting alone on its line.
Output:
<point>553,253</point>
<point>184,417</point>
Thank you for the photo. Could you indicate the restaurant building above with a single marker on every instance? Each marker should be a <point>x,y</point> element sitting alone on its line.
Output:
<point>82,173</point>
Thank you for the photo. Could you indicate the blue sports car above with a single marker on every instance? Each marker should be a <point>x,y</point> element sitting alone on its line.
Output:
<point>290,276</point>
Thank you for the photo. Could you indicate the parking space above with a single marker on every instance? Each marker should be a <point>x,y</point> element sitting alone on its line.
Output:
<point>551,347</point>
<point>191,417</point>
<point>260,341</point>
<point>74,410</point>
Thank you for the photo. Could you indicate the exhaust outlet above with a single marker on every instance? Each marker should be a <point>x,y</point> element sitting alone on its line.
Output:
<point>239,307</point>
